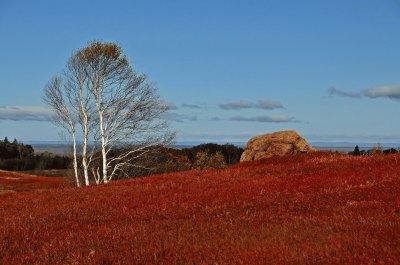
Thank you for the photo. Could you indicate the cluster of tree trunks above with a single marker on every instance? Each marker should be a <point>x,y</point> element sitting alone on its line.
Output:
<point>101,99</point>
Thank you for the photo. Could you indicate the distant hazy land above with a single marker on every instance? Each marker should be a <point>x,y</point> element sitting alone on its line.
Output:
<point>58,147</point>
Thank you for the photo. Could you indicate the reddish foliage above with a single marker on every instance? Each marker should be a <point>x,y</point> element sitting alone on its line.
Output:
<point>303,209</point>
<point>14,181</point>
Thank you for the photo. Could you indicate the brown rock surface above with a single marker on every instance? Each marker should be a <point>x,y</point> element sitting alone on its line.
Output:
<point>277,143</point>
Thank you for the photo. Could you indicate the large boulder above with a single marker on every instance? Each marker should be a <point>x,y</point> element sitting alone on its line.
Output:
<point>277,143</point>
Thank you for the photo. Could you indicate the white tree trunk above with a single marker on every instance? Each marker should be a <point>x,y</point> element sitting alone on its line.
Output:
<point>84,123</point>
<point>75,162</point>
<point>104,156</point>
<point>103,147</point>
<point>84,154</point>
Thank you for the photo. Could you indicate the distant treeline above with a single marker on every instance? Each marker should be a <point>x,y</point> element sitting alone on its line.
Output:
<point>16,156</point>
<point>378,150</point>
<point>166,160</point>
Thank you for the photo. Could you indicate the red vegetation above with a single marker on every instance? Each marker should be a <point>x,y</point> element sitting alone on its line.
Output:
<point>13,181</point>
<point>304,209</point>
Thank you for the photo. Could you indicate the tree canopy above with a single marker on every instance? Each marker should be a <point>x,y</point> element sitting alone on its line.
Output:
<point>101,97</point>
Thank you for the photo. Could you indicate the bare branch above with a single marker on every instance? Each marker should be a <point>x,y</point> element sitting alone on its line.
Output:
<point>113,106</point>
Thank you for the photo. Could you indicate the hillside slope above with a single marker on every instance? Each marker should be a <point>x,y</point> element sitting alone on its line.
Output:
<point>314,208</point>
<point>16,181</point>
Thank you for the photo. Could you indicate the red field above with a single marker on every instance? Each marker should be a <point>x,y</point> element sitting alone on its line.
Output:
<point>318,208</point>
<point>13,181</point>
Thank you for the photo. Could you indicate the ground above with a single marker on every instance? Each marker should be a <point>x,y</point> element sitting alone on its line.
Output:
<point>15,181</point>
<point>303,209</point>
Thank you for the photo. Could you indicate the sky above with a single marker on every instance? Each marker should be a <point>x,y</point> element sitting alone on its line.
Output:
<point>230,70</point>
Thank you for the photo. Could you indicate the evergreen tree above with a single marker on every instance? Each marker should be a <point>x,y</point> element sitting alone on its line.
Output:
<point>356,151</point>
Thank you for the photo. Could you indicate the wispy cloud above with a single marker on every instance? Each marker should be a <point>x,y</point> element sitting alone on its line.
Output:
<point>217,137</point>
<point>265,118</point>
<point>266,104</point>
<point>177,117</point>
<point>333,91</point>
<point>169,105</point>
<point>391,91</point>
<point>215,119</point>
<point>25,113</point>
<point>191,106</point>
<point>237,105</point>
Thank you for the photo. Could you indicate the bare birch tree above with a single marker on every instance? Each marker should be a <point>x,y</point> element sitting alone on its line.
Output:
<point>80,97</point>
<point>114,106</point>
<point>69,98</point>
<point>55,97</point>
<point>128,108</point>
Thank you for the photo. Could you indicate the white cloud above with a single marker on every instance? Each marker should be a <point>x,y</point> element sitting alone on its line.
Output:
<point>335,91</point>
<point>216,137</point>
<point>391,91</point>
<point>215,118</point>
<point>265,118</point>
<point>177,117</point>
<point>170,105</point>
<point>244,104</point>
<point>191,106</point>
<point>25,113</point>
<point>268,104</point>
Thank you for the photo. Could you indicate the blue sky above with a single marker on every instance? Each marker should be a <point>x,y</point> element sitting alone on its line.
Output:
<point>232,69</point>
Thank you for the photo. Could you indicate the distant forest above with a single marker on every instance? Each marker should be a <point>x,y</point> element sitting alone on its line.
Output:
<point>16,156</point>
